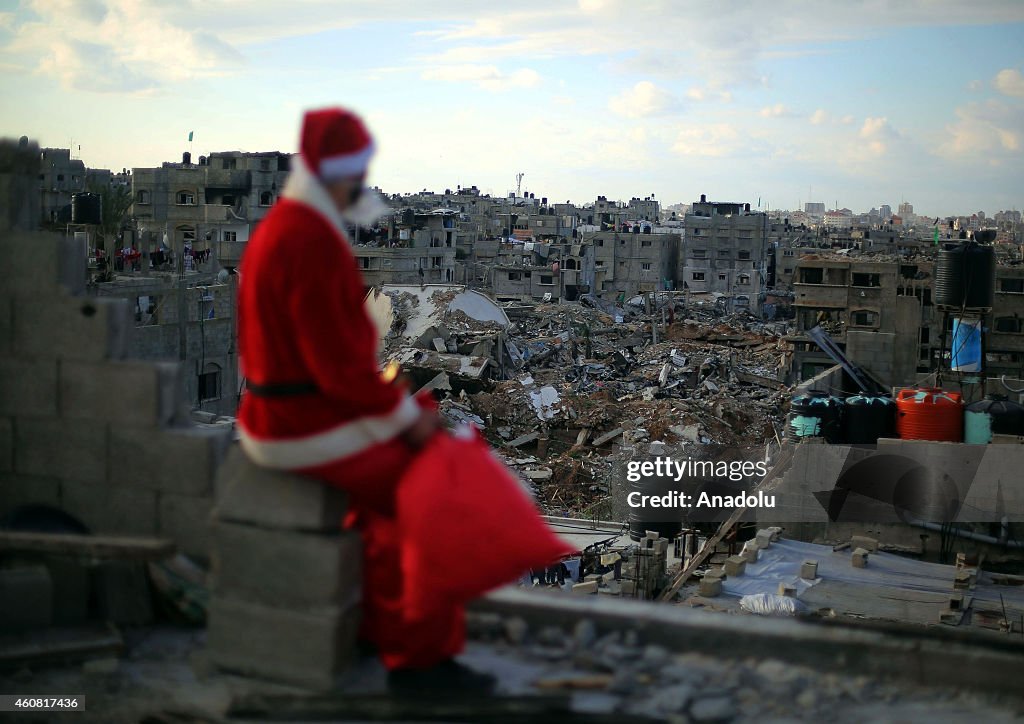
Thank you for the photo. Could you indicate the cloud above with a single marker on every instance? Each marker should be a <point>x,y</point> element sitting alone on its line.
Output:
<point>820,117</point>
<point>993,127</point>
<point>714,140</point>
<point>702,94</point>
<point>488,77</point>
<point>643,100</point>
<point>776,111</point>
<point>877,136</point>
<point>1009,82</point>
<point>117,46</point>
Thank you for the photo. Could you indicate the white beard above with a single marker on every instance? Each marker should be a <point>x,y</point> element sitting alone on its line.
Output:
<point>366,210</point>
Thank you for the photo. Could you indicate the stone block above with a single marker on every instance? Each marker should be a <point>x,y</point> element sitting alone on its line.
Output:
<point>26,598</point>
<point>66,327</point>
<point>111,509</point>
<point>859,558</point>
<point>628,588</point>
<point>715,573</point>
<point>862,541</point>
<point>185,519</point>
<point>585,587</point>
<point>249,493</point>
<point>307,649</point>
<point>710,587</point>
<point>133,392</point>
<point>661,546</point>
<point>28,388</point>
<point>287,568</point>
<point>608,577</point>
<point>6,445</point>
<point>734,566</point>
<point>787,590</point>
<point>122,593</point>
<point>61,448</point>
<point>809,570</point>
<point>19,490</point>
<point>763,538</point>
<point>176,460</point>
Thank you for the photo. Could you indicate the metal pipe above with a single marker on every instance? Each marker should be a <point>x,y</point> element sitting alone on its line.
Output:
<point>1002,540</point>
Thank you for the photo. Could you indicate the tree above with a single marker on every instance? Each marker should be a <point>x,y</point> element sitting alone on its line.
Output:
<point>115,202</point>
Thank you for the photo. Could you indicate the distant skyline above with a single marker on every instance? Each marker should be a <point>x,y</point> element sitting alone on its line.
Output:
<point>863,103</point>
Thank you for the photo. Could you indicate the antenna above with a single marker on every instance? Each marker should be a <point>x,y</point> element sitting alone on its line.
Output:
<point>519,182</point>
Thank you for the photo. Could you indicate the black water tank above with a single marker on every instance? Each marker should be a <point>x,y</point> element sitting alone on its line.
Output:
<point>815,414</point>
<point>965,276</point>
<point>638,528</point>
<point>867,418</point>
<point>86,208</point>
<point>186,158</point>
<point>995,415</point>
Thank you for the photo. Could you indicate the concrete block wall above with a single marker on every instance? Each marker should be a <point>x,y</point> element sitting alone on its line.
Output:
<point>82,427</point>
<point>283,572</point>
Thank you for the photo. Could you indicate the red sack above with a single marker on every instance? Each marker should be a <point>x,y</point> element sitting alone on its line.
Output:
<point>467,524</point>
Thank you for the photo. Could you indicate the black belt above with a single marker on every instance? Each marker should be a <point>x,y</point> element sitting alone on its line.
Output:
<point>283,389</point>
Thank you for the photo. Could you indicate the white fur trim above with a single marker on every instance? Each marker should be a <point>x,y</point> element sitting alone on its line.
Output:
<point>349,164</point>
<point>330,445</point>
<point>303,186</point>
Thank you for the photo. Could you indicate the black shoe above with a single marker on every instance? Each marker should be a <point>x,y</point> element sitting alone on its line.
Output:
<point>445,678</point>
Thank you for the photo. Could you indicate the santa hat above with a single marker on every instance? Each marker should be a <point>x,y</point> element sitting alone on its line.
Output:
<point>335,143</point>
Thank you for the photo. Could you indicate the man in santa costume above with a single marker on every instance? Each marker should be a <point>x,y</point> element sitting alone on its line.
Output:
<point>316,402</point>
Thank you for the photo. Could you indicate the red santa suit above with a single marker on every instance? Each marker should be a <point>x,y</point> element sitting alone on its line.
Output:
<point>316,403</point>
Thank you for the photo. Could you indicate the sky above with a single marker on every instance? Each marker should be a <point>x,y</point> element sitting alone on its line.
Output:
<point>854,102</point>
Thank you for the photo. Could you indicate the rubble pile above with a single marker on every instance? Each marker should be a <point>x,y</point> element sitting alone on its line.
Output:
<point>565,390</point>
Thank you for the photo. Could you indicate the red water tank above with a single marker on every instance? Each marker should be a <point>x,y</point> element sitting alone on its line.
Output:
<point>929,413</point>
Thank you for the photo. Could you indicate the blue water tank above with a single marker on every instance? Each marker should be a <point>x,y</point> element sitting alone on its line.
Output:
<point>965,353</point>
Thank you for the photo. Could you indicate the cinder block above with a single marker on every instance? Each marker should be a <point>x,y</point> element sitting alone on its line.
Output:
<point>177,460</point>
<point>608,577</point>
<point>185,519</point>
<point>734,566</point>
<point>26,598</point>
<point>750,552</point>
<point>859,558</point>
<point>585,587</point>
<point>111,509</point>
<point>61,448</point>
<point>809,570</point>
<point>609,559</point>
<point>28,388</point>
<point>710,587</point>
<point>307,649</point>
<point>143,393</point>
<point>6,445</point>
<point>78,328</point>
<point>862,541</point>
<point>661,546</point>
<point>19,490</point>
<point>287,568</point>
<point>763,538</point>
<point>122,593</point>
<point>32,263</point>
<point>6,324</point>
<point>787,590</point>
<point>249,493</point>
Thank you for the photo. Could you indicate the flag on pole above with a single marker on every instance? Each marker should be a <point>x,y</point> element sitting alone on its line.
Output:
<point>190,136</point>
<point>936,235</point>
